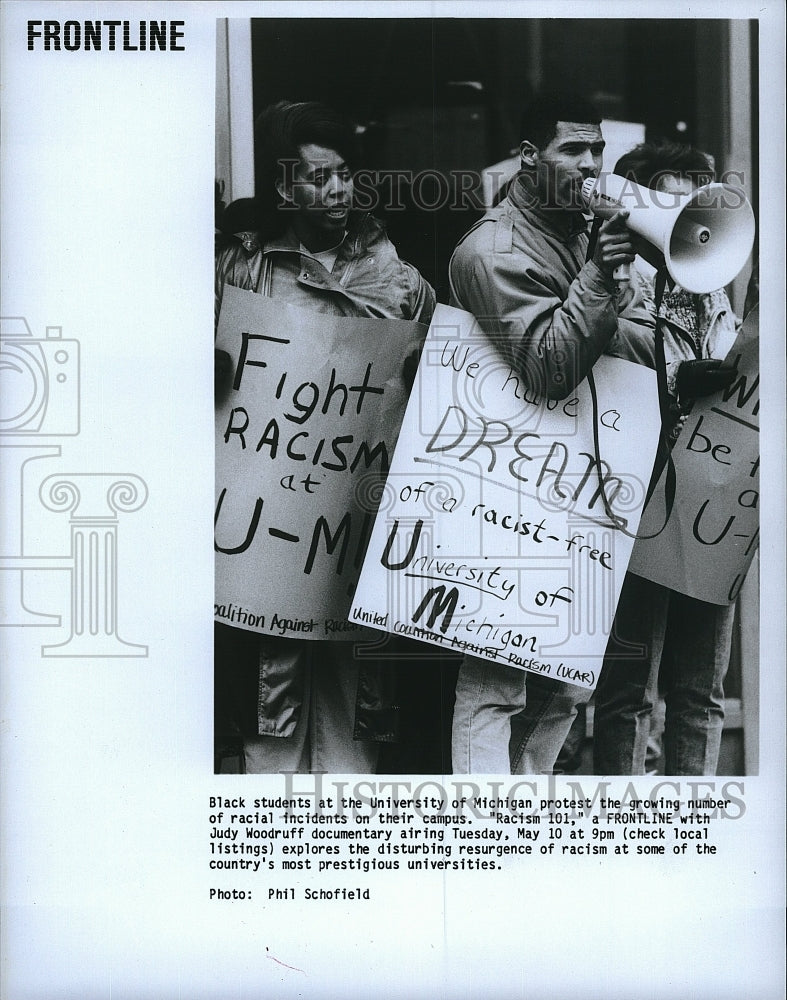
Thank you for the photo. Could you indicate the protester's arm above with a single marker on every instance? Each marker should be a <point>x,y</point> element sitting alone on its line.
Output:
<point>690,379</point>
<point>551,342</point>
<point>236,265</point>
<point>421,306</point>
<point>422,299</point>
<point>220,277</point>
<point>635,339</point>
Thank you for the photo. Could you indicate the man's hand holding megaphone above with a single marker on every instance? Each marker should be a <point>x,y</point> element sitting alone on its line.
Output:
<point>704,236</point>
<point>614,244</point>
<point>617,245</point>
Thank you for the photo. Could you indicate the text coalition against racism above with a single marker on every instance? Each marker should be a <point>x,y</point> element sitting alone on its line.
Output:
<point>96,36</point>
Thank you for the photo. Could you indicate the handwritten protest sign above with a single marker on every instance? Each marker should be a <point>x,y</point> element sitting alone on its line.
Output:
<point>492,536</point>
<point>712,534</point>
<point>304,435</point>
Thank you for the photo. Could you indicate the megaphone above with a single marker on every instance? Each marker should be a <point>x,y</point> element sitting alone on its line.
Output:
<point>705,237</point>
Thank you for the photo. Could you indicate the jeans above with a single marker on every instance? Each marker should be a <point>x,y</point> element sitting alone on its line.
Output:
<point>661,638</point>
<point>322,740</point>
<point>509,722</point>
<point>655,747</point>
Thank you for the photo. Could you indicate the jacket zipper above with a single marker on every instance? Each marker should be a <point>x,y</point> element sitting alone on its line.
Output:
<point>351,263</point>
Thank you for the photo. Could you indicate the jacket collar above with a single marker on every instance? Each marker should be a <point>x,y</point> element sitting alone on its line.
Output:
<point>560,222</point>
<point>363,230</point>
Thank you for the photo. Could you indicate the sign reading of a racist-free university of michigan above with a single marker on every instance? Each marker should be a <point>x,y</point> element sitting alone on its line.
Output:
<point>305,430</point>
<point>713,531</point>
<point>493,535</point>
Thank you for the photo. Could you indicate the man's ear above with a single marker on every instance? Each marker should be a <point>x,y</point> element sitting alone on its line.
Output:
<point>528,154</point>
<point>284,193</point>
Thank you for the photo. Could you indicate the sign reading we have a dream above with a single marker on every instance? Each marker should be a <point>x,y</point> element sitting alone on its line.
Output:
<point>492,535</point>
<point>305,428</point>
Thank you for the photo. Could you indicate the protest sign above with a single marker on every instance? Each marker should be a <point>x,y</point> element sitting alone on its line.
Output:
<point>492,536</point>
<point>713,530</point>
<point>304,434</point>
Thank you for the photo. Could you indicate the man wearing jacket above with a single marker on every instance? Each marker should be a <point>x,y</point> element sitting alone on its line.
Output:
<point>522,272</point>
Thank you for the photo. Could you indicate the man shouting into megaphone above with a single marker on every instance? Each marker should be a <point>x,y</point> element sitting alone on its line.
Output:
<point>523,272</point>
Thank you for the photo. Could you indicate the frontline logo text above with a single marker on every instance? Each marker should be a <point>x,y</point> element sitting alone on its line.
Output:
<point>111,36</point>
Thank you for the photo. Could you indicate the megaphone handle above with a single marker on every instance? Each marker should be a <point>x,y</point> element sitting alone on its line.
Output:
<point>622,272</point>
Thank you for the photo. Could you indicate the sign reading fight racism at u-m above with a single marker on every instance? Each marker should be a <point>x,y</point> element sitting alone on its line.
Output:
<point>492,536</point>
<point>305,429</point>
<point>712,534</point>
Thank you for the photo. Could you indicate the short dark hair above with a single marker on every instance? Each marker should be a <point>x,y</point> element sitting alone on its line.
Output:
<point>279,132</point>
<point>540,118</point>
<point>648,162</point>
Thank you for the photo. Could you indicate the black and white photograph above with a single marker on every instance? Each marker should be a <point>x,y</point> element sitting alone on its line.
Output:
<point>459,162</point>
<point>420,341</point>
